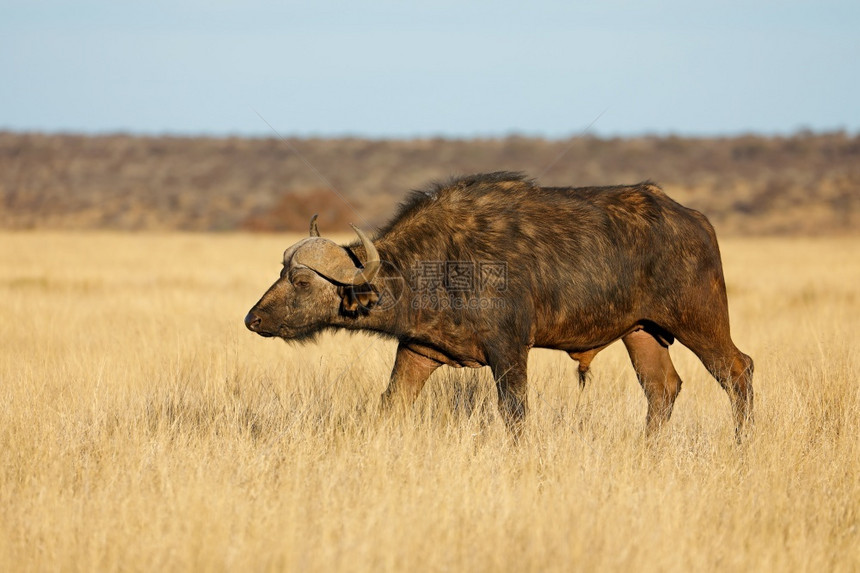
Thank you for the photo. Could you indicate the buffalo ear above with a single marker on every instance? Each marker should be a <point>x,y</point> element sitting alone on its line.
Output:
<point>356,299</point>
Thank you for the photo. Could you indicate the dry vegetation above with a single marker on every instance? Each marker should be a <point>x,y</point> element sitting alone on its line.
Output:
<point>804,184</point>
<point>144,429</point>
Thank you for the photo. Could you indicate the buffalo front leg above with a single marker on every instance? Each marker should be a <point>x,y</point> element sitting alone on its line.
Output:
<point>408,376</point>
<point>656,374</point>
<point>510,373</point>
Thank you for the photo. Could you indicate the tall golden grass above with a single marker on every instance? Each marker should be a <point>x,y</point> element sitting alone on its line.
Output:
<point>143,428</point>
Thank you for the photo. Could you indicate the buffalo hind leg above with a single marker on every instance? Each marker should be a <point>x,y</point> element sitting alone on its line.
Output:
<point>733,370</point>
<point>656,374</point>
<point>408,376</point>
<point>707,334</point>
<point>703,327</point>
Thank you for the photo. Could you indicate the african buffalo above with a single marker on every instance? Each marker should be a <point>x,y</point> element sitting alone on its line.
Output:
<point>478,270</point>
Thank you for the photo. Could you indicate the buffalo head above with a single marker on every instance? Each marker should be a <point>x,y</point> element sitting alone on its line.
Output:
<point>320,283</point>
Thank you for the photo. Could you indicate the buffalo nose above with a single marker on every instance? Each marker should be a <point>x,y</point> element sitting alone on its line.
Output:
<point>252,321</point>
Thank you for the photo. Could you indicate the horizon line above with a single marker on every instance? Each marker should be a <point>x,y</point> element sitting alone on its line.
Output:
<point>800,131</point>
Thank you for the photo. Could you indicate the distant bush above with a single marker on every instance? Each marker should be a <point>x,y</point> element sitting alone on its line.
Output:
<point>804,184</point>
<point>293,212</point>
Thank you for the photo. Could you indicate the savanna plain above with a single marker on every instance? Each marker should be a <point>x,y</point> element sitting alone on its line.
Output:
<point>143,428</point>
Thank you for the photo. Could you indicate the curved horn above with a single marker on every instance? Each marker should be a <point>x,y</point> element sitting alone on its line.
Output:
<point>332,261</point>
<point>314,231</point>
<point>371,264</point>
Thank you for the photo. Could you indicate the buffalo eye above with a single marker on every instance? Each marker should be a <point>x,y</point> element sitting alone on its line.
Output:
<point>301,283</point>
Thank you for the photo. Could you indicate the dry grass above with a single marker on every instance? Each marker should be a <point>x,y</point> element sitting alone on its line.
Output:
<point>143,428</point>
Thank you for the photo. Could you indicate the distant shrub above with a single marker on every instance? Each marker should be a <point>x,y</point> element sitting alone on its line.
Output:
<point>748,184</point>
<point>293,212</point>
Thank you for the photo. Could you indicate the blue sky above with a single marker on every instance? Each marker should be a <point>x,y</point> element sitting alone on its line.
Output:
<point>456,69</point>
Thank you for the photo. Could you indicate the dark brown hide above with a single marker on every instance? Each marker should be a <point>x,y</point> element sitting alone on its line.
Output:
<point>583,267</point>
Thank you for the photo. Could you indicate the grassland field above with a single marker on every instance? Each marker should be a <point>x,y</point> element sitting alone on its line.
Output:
<point>143,428</point>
